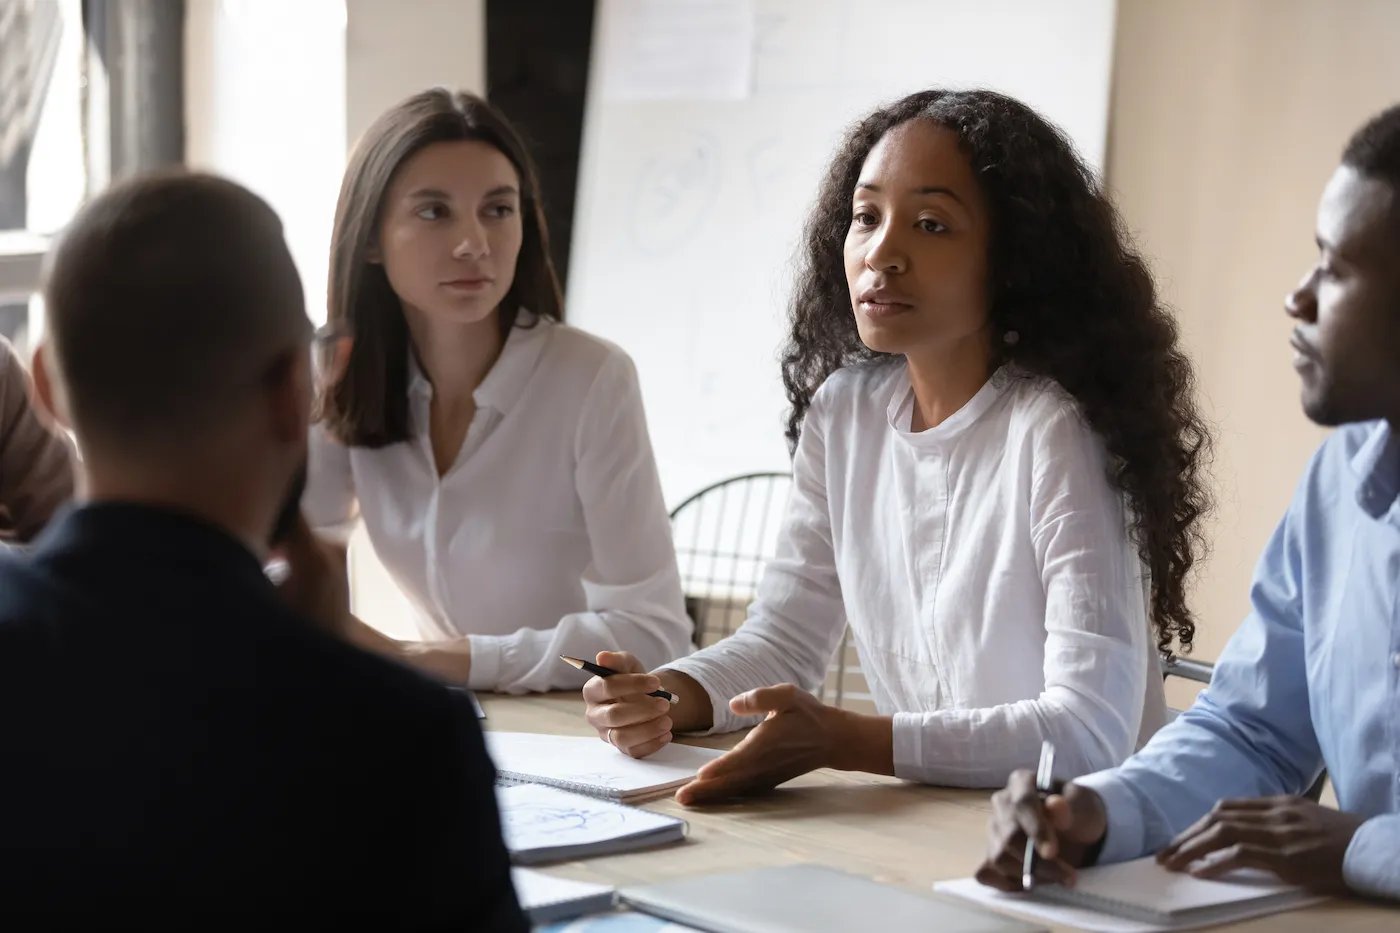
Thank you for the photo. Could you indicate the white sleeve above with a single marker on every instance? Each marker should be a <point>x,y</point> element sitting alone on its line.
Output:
<point>1096,635</point>
<point>795,625</point>
<point>632,585</point>
<point>329,502</point>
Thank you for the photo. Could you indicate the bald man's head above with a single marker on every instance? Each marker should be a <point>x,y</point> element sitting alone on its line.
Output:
<point>170,300</point>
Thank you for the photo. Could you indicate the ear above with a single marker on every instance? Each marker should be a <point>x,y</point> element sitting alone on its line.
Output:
<point>373,255</point>
<point>48,391</point>
<point>289,396</point>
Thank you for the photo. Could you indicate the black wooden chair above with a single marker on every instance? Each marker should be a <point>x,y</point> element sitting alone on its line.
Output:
<point>725,535</point>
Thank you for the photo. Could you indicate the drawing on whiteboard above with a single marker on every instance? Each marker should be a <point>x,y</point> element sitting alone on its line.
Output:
<point>766,161</point>
<point>673,196</point>
<point>532,821</point>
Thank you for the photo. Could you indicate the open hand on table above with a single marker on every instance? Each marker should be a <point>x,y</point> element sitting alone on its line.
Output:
<point>1300,841</point>
<point>799,734</point>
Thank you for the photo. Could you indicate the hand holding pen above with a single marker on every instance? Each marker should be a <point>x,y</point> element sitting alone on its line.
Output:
<point>1043,834</point>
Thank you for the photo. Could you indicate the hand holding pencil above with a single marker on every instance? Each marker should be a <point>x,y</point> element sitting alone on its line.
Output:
<point>627,705</point>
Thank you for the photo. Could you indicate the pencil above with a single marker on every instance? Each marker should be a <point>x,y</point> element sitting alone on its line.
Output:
<point>601,671</point>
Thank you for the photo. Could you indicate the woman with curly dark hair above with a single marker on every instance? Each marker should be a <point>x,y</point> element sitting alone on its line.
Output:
<point>997,477</point>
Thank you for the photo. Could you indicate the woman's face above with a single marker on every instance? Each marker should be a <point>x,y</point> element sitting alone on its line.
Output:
<point>450,231</point>
<point>916,249</point>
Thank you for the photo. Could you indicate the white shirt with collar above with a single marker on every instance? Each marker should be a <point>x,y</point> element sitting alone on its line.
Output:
<point>547,536</point>
<point>985,569</point>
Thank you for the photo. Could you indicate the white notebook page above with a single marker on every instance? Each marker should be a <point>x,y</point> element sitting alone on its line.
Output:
<point>592,766</point>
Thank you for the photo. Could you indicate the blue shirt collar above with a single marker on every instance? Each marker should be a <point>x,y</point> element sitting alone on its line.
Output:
<point>1377,466</point>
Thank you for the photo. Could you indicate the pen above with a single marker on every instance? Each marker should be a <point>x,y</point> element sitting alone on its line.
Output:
<point>1044,782</point>
<point>601,671</point>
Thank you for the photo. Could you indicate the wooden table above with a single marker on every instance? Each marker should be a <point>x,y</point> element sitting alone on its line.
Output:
<point>901,834</point>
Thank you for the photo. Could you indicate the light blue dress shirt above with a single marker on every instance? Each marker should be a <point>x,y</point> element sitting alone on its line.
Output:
<point>1311,678</point>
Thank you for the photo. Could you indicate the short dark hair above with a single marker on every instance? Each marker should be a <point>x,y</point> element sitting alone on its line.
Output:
<point>167,297</point>
<point>1374,150</point>
<point>368,406</point>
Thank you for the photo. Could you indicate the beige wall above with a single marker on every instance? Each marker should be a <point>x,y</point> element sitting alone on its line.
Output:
<point>394,48</point>
<point>1228,116</point>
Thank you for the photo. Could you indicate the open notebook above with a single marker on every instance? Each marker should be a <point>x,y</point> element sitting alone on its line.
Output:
<point>590,767</point>
<point>1141,896</point>
<point>546,899</point>
<point>546,824</point>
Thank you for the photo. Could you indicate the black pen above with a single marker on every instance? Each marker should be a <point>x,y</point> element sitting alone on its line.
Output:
<point>601,671</point>
<point>1044,782</point>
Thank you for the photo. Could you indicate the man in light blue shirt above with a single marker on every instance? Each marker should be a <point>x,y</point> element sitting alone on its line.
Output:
<point>1312,677</point>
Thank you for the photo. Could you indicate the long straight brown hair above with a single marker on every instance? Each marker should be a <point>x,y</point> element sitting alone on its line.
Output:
<point>368,405</point>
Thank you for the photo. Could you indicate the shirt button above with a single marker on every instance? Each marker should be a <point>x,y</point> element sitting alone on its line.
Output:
<point>1396,659</point>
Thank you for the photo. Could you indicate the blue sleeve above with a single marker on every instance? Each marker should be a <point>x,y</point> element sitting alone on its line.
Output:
<point>1249,734</point>
<point>1372,864</point>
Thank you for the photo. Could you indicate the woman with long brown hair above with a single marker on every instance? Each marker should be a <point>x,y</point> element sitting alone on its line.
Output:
<point>499,458</point>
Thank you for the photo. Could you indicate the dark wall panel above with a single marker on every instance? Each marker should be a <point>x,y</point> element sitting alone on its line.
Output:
<point>537,55</point>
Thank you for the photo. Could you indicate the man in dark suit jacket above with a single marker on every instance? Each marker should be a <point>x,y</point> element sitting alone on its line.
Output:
<point>184,746</point>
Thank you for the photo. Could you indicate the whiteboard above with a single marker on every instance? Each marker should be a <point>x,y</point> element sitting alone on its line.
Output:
<point>690,212</point>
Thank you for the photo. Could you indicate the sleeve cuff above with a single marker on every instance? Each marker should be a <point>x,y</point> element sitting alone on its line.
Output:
<point>724,718</point>
<point>908,747</point>
<point>1372,862</point>
<point>486,662</point>
<point>1127,831</point>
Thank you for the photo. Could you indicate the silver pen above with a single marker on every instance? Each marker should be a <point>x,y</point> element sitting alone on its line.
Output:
<point>1044,782</point>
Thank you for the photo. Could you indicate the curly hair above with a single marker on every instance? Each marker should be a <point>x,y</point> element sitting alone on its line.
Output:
<point>1066,278</point>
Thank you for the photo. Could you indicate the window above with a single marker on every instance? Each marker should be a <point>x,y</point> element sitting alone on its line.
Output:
<point>43,176</point>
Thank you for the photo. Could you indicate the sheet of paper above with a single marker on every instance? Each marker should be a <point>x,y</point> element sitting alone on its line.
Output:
<point>1085,919</point>
<point>591,763</point>
<point>537,817</point>
<point>677,49</point>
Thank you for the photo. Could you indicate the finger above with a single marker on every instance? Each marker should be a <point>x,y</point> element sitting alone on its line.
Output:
<point>763,700</point>
<point>701,791</point>
<point>1029,811</point>
<point>624,662</point>
<point>1009,865</point>
<point>1242,855</point>
<point>630,737</point>
<point>731,768</point>
<point>1243,809</point>
<point>649,748</point>
<point>1222,835</point>
<point>1253,804</point>
<point>992,877</point>
<point>627,713</point>
<point>619,687</point>
<point>1186,835</point>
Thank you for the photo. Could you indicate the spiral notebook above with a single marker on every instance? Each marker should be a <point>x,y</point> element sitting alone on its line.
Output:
<point>546,824</point>
<point>546,899</point>
<point>1141,896</point>
<point>593,768</point>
